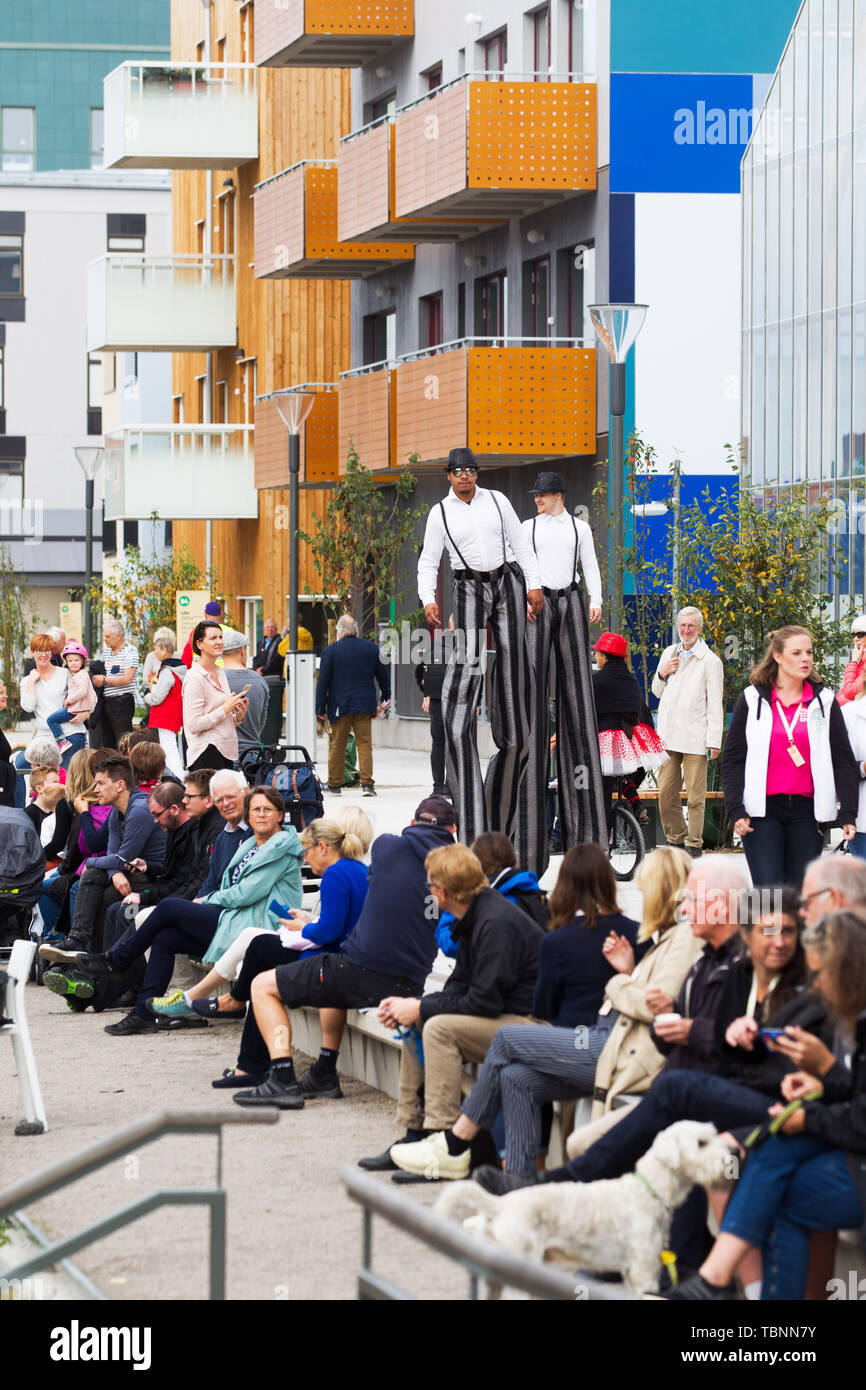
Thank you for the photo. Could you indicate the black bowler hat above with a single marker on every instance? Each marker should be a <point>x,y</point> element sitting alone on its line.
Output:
<point>548,482</point>
<point>460,458</point>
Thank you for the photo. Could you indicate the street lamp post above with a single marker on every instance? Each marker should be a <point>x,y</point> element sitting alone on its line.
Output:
<point>616,327</point>
<point>90,458</point>
<point>293,407</point>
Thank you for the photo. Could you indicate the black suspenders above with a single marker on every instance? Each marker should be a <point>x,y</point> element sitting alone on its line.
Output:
<point>456,546</point>
<point>576,545</point>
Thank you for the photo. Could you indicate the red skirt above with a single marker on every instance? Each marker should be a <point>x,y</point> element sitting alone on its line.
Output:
<point>621,755</point>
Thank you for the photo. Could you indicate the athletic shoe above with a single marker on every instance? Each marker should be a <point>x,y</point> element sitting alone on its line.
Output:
<point>697,1290</point>
<point>335,791</point>
<point>368,789</point>
<point>60,954</point>
<point>494,1180</point>
<point>273,1092</point>
<point>209,1008</point>
<point>314,1087</point>
<point>132,1023</point>
<point>171,1005</point>
<point>97,963</point>
<point>231,1079</point>
<point>68,982</point>
<point>431,1159</point>
<point>63,744</point>
<point>379,1163</point>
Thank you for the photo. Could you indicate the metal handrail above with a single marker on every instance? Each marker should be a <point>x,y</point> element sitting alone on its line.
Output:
<point>299,164</point>
<point>369,367</point>
<point>115,1146</point>
<point>499,340</point>
<point>324,386</point>
<point>179,428</point>
<point>482,1258</point>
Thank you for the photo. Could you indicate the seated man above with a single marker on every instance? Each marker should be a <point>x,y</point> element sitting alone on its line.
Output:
<point>492,985</point>
<point>132,835</point>
<point>389,952</point>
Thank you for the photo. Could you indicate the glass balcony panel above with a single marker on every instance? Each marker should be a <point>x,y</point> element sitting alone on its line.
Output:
<point>160,303</point>
<point>183,472</point>
<point>194,116</point>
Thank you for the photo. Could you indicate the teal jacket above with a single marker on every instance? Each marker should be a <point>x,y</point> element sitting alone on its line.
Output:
<point>274,872</point>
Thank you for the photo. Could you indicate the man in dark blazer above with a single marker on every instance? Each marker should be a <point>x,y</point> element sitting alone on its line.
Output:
<point>267,660</point>
<point>350,670</point>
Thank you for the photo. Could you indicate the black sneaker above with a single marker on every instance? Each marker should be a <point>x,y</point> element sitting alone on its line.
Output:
<point>272,1092</point>
<point>694,851</point>
<point>697,1290</point>
<point>379,1163</point>
<point>368,789</point>
<point>97,964</point>
<point>335,791</point>
<point>68,983</point>
<point>494,1180</point>
<point>314,1087</point>
<point>132,1023</point>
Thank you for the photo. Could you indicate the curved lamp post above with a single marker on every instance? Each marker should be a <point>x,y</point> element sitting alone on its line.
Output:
<point>293,407</point>
<point>90,458</point>
<point>616,327</point>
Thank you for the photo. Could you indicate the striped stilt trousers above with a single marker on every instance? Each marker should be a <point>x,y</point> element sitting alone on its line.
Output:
<point>488,803</point>
<point>562,627</point>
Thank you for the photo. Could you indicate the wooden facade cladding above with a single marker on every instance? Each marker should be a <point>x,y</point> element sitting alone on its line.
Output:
<point>330,33</point>
<point>296,230</point>
<point>320,456</point>
<point>495,148</point>
<point>368,418</point>
<point>508,404</point>
<point>367,189</point>
<point>289,330</point>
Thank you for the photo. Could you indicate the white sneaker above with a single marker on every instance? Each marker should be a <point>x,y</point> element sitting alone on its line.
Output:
<point>431,1159</point>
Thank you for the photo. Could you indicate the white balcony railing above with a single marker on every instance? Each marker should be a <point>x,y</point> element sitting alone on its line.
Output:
<point>180,116</point>
<point>160,303</point>
<point>183,472</point>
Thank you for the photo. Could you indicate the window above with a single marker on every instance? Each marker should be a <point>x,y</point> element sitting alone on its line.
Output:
<point>177,410</point>
<point>97,137</point>
<point>19,139</point>
<point>221,403</point>
<point>382,106</point>
<point>247,53</point>
<point>581,38</point>
<point>430,327</point>
<point>433,77</point>
<point>494,53</point>
<point>94,393</point>
<point>380,337</point>
<point>200,383</point>
<point>11,266</point>
<point>490,305</point>
<point>126,231</point>
<point>2,377</point>
<point>541,44</point>
<point>536,299</point>
<point>576,279</point>
<point>461,309</point>
<point>224,231</point>
<point>12,481</point>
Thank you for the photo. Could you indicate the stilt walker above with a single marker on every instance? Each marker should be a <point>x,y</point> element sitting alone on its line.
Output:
<point>495,581</point>
<point>561,543</point>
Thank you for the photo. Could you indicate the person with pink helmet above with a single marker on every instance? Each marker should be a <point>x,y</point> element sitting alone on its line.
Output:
<point>79,703</point>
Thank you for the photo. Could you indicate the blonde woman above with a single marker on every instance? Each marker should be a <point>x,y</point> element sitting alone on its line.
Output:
<point>527,1066</point>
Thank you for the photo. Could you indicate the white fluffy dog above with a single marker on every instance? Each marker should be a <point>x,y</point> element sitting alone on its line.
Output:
<point>618,1224</point>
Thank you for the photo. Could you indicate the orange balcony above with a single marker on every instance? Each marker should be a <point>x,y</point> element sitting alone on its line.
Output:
<point>295,224</point>
<point>367,165</point>
<point>508,404</point>
<point>329,33</point>
<point>319,449</point>
<point>367,416</point>
<point>494,148</point>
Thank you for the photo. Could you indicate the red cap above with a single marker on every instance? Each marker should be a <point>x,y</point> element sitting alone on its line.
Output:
<point>612,643</point>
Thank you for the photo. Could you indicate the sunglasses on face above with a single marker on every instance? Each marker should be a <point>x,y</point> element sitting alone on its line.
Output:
<point>464,472</point>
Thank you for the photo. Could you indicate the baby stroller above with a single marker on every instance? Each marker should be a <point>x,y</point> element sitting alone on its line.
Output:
<point>298,783</point>
<point>22,870</point>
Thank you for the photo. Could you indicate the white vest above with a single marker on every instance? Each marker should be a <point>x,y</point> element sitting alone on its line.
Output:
<point>759,726</point>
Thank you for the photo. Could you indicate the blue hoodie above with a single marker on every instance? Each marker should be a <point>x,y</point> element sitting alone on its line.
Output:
<point>394,934</point>
<point>134,835</point>
<point>511,882</point>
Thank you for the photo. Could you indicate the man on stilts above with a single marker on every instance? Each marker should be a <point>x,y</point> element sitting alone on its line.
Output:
<point>495,581</point>
<point>560,542</point>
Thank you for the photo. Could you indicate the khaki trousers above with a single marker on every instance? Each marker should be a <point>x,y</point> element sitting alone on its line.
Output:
<point>362,727</point>
<point>693,768</point>
<point>449,1041</point>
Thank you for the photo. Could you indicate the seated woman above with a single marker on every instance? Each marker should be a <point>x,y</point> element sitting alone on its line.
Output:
<point>335,849</point>
<point>266,867</point>
<point>341,904</point>
<point>87,835</point>
<point>527,1065</point>
<point>812,1176</point>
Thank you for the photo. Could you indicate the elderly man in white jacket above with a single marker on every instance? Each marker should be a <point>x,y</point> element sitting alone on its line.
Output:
<point>688,684</point>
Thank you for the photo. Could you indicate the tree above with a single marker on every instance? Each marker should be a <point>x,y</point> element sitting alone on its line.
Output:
<point>18,618</point>
<point>143,593</point>
<point>357,545</point>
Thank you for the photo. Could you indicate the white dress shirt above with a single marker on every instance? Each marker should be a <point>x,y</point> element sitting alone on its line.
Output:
<point>476,529</point>
<point>555,544</point>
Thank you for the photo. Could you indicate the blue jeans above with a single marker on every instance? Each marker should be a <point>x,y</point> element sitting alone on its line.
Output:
<point>21,763</point>
<point>790,1188</point>
<point>48,906</point>
<point>857,844</point>
<point>783,841</point>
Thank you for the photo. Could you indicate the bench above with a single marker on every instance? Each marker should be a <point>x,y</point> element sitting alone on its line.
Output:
<point>653,833</point>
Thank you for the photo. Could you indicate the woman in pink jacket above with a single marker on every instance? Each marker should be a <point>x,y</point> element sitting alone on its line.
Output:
<point>852,681</point>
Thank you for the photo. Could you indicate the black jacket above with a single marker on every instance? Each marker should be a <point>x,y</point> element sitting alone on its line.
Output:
<point>497,963</point>
<point>349,672</point>
<point>840,1116</point>
<point>845,770</point>
<point>698,1000</point>
<point>267,659</point>
<point>181,876</point>
<point>618,698</point>
<point>572,971</point>
<point>431,678</point>
<point>762,1069</point>
<point>8,775</point>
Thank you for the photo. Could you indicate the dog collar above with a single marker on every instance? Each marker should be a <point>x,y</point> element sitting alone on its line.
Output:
<point>647,1184</point>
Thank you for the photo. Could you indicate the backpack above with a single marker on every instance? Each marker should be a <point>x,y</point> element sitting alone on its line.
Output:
<point>533,902</point>
<point>297,782</point>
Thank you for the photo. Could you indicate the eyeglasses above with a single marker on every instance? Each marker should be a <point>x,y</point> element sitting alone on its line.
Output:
<point>194,796</point>
<point>158,815</point>
<point>469,472</point>
<point>819,893</point>
<point>221,800</point>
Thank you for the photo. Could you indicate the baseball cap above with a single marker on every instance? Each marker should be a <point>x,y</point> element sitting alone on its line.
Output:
<point>435,810</point>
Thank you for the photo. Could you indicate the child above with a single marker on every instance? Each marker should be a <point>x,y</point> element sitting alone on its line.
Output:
<point>80,701</point>
<point>46,791</point>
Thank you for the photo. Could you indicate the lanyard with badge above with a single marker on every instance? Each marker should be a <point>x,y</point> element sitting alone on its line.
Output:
<point>793,751</point>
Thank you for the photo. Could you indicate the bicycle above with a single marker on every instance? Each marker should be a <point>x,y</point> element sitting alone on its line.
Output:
<point>626,845</point>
